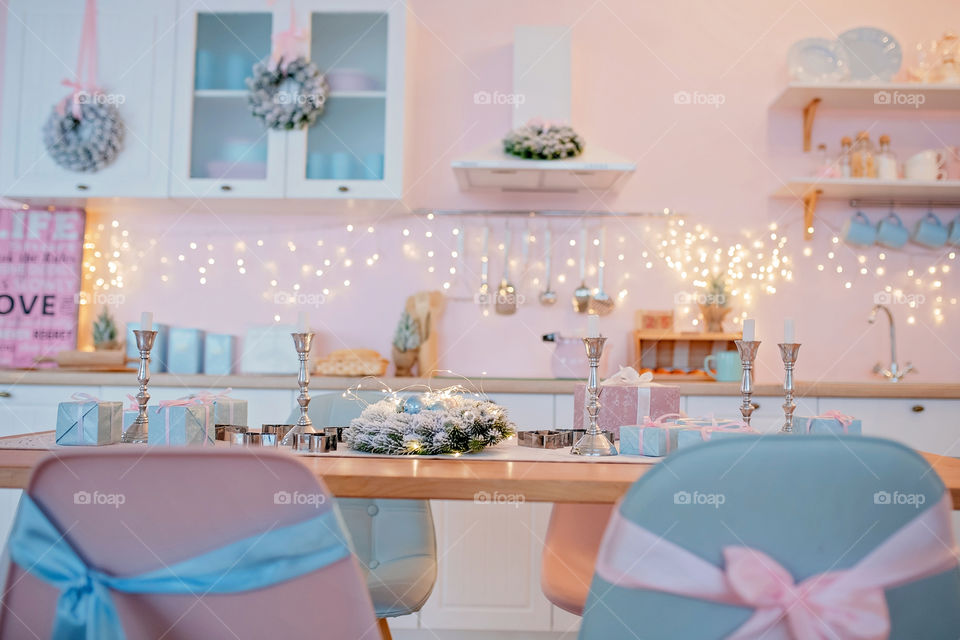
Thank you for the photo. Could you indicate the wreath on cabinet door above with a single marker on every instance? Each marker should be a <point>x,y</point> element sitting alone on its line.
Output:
<point>85,137</point>
<point>544,141</point>
<point>287,96</point>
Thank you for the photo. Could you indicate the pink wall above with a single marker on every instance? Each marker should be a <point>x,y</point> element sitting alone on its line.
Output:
<point>717,164</point>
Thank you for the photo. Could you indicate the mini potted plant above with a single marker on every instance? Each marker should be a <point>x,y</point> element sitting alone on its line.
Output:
<point>406,345</point>
<point>714,305</point>
<point>105,332</point>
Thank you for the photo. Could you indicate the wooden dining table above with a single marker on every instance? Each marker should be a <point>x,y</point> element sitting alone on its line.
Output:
<point>462,478</point>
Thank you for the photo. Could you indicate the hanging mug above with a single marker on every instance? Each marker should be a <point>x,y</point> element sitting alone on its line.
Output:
<point>930,232</point>
<point>953,233</point>
<point>891,232</point>
<point>859,231</point>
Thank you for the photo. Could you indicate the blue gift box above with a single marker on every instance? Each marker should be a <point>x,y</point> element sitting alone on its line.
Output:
<point>653,441</point>
<point>696,430</point>
<point>89,422</point>
<point>185,351</point>
<point>129,415</point>
<point>226,410</point>
<point>158,355</point>
<point>218,354</point>
<point>181,424</point>
<point>827,424</point>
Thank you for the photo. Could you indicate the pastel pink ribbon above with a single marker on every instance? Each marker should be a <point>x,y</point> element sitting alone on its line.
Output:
<point>288,44</point>
<point>81,399</point>
<point>85,82</point>
<point>848,603</point>
<point>189,401</point>
<point>664,421</point>
<point>211,397</point>
<point>134,405</point>
<point>844,420</point>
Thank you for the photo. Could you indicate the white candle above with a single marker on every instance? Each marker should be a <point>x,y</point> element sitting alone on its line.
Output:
<point>593,326</point>
<point>303,322</point>
<point>789,332</point>
<point>749,330</point>
<point>146,321</point>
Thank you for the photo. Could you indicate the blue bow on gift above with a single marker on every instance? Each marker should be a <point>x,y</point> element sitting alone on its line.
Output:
<point>85,608</point>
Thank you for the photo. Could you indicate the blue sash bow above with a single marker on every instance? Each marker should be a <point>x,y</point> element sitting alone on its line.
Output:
<point>85,608</point>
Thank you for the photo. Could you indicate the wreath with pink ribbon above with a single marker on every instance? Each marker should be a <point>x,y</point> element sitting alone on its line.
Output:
<point>84,131</point>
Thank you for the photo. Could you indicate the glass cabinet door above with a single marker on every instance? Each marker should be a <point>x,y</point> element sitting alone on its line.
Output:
<point>353,149</point>
<point>220,148</point>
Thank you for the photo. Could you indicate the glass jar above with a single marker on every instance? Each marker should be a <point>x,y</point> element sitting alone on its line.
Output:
<point>824,166</point>
<point>863,157</point>
<point>886,161</point>
<point>843,162</point>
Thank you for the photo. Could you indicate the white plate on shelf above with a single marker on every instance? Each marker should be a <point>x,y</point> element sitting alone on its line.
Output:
<point>873,53</point>
<point>818,60</point>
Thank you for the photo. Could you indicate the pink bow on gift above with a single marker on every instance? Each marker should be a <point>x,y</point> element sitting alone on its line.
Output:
<point>844,420</point>
<point>85,83</point>
<point>848,603</point>
<point>663,421</point>
<point>134,405</point>
<point>287,44</point>
<point>83,397</point>
<point>197,400</point>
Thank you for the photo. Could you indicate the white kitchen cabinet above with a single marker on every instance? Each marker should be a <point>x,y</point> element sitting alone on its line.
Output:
<point>924,424</point>
<point>527,410</point>
<point>766,418</point>
<point>135,44</point>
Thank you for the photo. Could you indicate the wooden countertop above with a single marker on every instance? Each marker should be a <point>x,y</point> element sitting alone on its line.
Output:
<point>877,389</point>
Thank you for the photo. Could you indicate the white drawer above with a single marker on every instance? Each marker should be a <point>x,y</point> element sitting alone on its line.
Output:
<point>924,424</point>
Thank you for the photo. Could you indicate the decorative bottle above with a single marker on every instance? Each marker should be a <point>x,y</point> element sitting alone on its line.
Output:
<point>863,157</point>
<point>886,160</point>
<point>844,162</point>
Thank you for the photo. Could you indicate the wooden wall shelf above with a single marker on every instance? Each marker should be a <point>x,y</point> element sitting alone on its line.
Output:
<point>678,356</point>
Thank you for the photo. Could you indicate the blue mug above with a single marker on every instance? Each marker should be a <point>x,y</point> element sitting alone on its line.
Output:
<point>953,235</point>
<point>930,232</point>
<point>728,366</point>
<point>341,166</point>
<point>891,232</point>
<point>373,166</point>
<point>205,74</point>
<point>238,69</point>
<point>316,166</point>
<point>859,230</point>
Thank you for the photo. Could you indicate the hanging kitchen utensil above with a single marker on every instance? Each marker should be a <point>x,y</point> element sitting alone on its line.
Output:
<point>483,295</point>
<point>601,303</point>
<point>506,303</point>
<point>548,297</point>
<point>581,295</point>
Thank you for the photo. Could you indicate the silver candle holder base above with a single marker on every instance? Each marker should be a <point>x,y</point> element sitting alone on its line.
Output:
<point>302,342</point>
<point>137,432</point>
<point>593,442</point>
<point>788,353</point>
<point>748,353</point>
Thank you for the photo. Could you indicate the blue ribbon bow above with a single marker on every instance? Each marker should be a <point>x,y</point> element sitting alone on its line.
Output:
<point>85,608</point>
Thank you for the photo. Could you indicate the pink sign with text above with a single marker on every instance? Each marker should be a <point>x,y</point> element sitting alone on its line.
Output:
<point>40,258</point>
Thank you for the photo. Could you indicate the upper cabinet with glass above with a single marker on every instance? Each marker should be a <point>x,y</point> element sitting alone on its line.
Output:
<point>355,147</point>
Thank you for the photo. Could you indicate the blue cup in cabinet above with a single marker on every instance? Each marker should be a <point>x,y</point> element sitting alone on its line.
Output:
<point>205,72</point>
<point>373,166</point>
<point>891,232</point>
<point>341,166</point>
<point>316,166</point>
<point>728,367</point>
<point>953,235</point>
<point>859,231</point>
<point>238,69</point>
<point>930,232</point>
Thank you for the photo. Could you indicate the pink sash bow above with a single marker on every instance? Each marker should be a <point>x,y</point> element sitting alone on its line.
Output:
<point>288,44</point>
<point>848,603</point>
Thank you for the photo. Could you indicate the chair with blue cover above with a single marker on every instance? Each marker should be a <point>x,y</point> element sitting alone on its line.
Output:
<point>745,528</point>
<point>394,540</point>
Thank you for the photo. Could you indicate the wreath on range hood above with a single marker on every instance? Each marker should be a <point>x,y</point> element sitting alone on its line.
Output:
<point>539,140</point>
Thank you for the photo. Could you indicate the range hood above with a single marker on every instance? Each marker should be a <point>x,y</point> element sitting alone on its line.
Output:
<point>541,89</point>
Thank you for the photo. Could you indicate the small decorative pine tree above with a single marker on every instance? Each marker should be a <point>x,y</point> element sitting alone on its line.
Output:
<point>407,336</point>
<point>104,331</point>
<point>717,291</point>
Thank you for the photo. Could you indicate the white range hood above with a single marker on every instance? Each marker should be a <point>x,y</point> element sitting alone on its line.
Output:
<point>541,89</point>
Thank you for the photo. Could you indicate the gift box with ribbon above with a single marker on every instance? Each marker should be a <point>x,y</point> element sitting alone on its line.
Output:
<point>130,412</point>
<point>84,420</point>
<point>829,422</point>
<point>654,438</point>
<point>626,398</point>
<point>226,410</point>
<point>187,421</point>
<point>696,430</point>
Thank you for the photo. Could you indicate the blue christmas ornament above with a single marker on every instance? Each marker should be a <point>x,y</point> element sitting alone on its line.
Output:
<point>412,405</point>
<point>433,405</point>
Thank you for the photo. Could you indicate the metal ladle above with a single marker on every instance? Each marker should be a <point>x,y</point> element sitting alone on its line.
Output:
<point>548,297</point>
<point>601,303</point>
<point>506,303</point>
<point>483,295</point>
<point>581,295</point>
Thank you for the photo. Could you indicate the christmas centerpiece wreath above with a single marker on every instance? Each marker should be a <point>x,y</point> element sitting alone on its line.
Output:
<point>449,421</point>
<point>544,141</point>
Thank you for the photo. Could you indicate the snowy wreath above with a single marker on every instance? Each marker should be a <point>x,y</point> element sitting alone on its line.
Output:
<point>543,141</point>
<point>437,422</point>
<point>287,96</point>
<point>87,135</point>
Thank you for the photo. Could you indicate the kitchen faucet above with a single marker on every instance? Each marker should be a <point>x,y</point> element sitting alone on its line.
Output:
<point>894,373</point>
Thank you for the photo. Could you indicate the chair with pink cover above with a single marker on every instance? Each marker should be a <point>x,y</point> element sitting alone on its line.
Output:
<point>126,514</point>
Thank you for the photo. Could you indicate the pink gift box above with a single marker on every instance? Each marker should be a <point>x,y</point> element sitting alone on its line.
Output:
<point>622,405</point>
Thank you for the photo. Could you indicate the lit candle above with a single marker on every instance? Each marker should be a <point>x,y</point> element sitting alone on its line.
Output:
<point>749,330</point>
<point>593,326</point>
<point>303,321</point>
<point>146,321</point>
<point>789,332</point>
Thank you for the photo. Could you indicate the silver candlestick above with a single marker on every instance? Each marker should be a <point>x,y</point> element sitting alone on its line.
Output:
<point>748,353</point>
<point>593,442</point>
<point>137,432</point>
<point>788,353</point>
<point>302,343</point>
